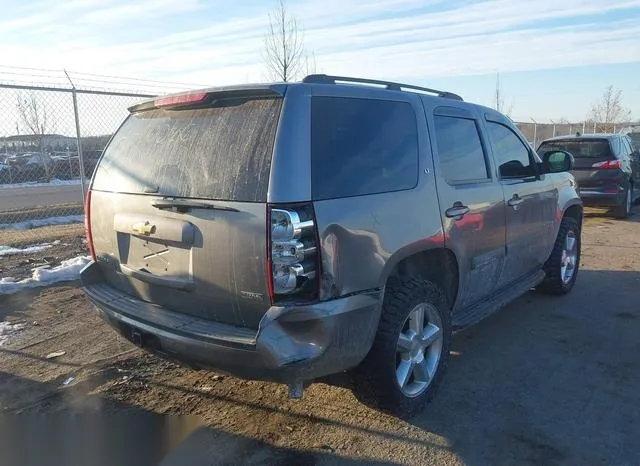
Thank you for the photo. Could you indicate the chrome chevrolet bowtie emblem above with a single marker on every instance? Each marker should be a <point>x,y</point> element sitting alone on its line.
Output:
<point>144,228</point>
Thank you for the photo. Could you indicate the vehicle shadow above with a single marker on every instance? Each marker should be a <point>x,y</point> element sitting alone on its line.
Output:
<point>72,428</point>
<point>604,214</point>
<point>547,380</point>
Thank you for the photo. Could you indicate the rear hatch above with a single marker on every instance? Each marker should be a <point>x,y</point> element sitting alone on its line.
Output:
<point>591,156</point>
<point>178,204</point>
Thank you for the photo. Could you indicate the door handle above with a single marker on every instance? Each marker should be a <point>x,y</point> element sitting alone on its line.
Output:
<point>515,201</point>
<point>457,211</point>
<point>169,282</point>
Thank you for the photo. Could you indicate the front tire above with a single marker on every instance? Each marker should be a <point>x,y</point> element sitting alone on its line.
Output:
<point>411,349</point>
<point>564,262</point>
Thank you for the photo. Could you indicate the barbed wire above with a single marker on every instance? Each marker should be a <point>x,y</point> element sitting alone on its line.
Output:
<point>90,81</point>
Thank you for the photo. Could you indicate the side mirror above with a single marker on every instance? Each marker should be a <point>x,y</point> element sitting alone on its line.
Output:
<point>557,161</point>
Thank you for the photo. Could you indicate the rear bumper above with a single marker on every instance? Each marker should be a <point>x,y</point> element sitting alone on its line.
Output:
<point>599,198</point>
<point>293,343</point>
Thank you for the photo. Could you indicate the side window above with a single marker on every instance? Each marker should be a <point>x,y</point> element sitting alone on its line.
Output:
<point>459,150</point>
<point>512,155</point>
<point>362,146</point>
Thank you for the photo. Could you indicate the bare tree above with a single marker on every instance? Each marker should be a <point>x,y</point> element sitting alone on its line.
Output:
<point>609,111</point>
<point>284,45</point>
<point>499,99</point>
<point>37,119</point>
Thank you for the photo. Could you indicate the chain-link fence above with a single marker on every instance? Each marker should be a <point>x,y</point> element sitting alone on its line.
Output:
<point>50,141</point>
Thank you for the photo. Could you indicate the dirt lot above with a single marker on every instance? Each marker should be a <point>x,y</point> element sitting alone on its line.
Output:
<point>66,241</point>
<point>545,381</point>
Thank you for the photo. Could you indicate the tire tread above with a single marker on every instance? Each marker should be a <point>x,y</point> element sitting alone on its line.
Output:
<point>553,282</point>
<point>371,378</point>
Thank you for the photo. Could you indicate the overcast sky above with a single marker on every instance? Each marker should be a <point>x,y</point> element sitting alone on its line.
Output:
<point>555,57</point>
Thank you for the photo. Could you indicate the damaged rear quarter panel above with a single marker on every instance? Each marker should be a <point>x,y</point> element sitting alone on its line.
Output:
<point>363,238</point>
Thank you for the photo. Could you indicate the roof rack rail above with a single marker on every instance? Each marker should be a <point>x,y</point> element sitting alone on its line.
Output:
<point>326,79</point>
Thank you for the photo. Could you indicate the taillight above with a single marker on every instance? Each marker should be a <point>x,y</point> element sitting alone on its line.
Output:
<point>607,164</point>
<point>177,100</point>
<point>294,267</point>
<point>87,224</point>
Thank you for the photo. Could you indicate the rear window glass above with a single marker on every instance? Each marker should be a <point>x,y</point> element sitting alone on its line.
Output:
<point>362,146</point>
<point>585,148</point>
<point>221,152</point>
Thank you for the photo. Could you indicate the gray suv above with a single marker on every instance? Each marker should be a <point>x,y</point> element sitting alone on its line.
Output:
<point>288,232</point>
<point>607,169</point>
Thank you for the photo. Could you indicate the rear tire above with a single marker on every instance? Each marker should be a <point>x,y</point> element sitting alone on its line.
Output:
<point>564,262</point>
<point>409,355</point>
<point>623,211</point>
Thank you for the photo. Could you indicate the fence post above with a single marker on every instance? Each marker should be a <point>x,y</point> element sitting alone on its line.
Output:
<point>535,132</point>
<point>594,127</point>
<point>83,181</point>
<point>583,126</point>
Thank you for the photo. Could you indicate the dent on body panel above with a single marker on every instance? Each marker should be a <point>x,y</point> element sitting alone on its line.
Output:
<point>361,237</point>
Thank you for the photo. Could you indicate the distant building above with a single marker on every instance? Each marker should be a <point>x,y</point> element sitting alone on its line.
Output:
<point>34,142</point>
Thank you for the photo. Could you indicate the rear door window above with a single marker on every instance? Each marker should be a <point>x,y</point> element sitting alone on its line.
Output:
<point>362,146</point>
<point>221,152</point>
<point>460,151</point>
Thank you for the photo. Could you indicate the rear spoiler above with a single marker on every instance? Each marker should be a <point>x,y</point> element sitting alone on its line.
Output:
<point>205,97</point>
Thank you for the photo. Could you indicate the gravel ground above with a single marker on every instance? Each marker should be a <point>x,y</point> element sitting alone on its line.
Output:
<point>544,381</point>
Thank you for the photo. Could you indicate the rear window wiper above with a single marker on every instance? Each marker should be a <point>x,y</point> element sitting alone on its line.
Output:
<point>184,205</point>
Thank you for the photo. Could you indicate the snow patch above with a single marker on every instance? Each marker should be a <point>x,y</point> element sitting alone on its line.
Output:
<point>68,270</point>
<point>9,251</point>
<point>35,184</point>
<point>7,330</point>
<point>42,222</point>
